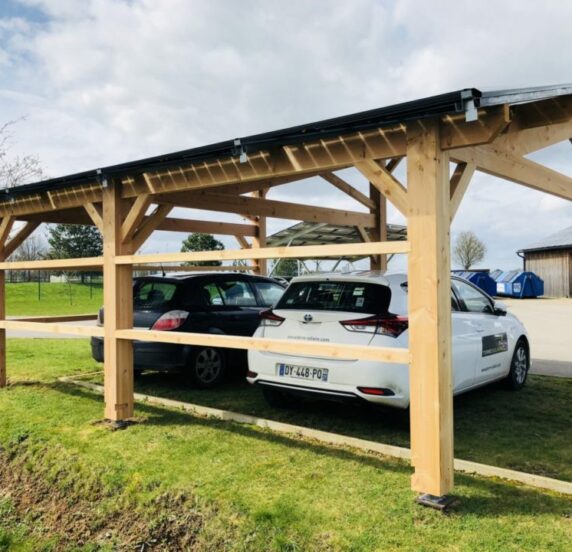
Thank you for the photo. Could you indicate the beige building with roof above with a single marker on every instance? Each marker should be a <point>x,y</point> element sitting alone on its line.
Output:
<point>551,259</point>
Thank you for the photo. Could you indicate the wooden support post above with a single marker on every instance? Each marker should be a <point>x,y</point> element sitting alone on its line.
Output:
<point>259,240</point>
<point>118,308</point>
<point>379,232</point>
<point>429,310</point>
<point>5,227</point>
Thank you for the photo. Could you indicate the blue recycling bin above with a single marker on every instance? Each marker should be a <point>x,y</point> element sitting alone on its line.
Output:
<point>480,278</point>
<point>519,284</point>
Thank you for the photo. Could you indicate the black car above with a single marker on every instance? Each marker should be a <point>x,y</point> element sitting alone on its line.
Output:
<point>218,303</point>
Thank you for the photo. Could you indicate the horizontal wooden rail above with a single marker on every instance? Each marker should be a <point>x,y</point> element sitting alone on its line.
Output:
<point>84,263</point>
<point>303,251</point>
<point>287,346</point>
<point>186,268</point>
<point>62,318</point>
<point>46,327</point>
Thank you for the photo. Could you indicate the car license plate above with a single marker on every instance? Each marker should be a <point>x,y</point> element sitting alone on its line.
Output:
<point>302,372</point>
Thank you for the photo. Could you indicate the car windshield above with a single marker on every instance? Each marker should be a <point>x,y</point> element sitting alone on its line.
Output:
<point>337,296</point>
<point>152,294</point>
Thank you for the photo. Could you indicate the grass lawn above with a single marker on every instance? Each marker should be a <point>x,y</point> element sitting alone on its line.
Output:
<point>54,299</point>
<point>224,486</point>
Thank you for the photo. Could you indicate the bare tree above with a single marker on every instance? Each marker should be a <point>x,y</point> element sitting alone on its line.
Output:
<point>16,170</point>
<point>32,249</point>
<point>469,249</point>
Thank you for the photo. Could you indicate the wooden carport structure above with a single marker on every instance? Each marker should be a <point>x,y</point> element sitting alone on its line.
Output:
<point>490,132</point>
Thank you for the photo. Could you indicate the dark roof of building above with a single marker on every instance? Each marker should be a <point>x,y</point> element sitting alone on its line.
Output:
<point>459,101</point>
<point>559,240</point>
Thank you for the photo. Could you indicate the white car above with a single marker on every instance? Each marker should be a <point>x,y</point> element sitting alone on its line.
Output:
<point>368,308</point>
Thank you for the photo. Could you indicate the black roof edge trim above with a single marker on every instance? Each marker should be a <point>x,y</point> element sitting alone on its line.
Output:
<point>450,102</point>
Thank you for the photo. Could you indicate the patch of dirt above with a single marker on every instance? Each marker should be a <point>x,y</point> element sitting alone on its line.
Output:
<point>171,522</point>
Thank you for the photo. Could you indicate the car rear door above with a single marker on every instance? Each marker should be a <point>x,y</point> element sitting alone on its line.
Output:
<point>239,312</point>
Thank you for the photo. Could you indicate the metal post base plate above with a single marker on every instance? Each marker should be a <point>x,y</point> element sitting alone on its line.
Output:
<point>440,503</point>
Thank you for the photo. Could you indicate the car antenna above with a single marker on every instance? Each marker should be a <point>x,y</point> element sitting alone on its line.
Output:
<point>163,273</point>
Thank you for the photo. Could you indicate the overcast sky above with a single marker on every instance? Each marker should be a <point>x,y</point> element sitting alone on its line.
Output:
<point>108,81</point>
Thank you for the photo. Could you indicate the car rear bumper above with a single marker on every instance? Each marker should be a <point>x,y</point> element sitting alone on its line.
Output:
<point>148,355</point>
<point>346,377</point>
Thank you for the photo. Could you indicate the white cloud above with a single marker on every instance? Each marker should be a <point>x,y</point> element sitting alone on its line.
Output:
<point>105,81</point>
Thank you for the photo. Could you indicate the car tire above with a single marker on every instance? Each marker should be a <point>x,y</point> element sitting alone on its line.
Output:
<point>519,366</point>
<point>207,367</point>
<point>278,399</point>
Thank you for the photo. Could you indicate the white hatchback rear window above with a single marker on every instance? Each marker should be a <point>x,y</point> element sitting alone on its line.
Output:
<point>336,296</point>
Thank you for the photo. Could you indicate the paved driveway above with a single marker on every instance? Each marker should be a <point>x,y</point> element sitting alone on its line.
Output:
<point>549,324</point>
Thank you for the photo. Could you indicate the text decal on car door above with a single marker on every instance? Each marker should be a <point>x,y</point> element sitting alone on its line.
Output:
<point>493,344</point>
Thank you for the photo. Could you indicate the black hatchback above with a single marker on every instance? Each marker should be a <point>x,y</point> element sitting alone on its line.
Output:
<point>215,303</point>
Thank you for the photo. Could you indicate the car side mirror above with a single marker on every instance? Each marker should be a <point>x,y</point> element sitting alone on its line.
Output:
<point>500,308</point>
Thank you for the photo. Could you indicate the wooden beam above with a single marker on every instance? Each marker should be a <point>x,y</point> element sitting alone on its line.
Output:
<point>189,226</point>
<point>385,182</point>
<point>392,164</point>
<point>95,215</point>
<point>135,216</point>
<point>149,225</point>
<point>459,184</point>
<point>49,327</point>
<point>73,265</point>
<point>503,164</point>
<point>242,242</point>
<point>528,140</point>
<point>342,185</point>
<point>59,318</point>
<point>365,238</point>
<point>253,206</point>
<point>458,133</point>
<point>429,293</point>
<point>379,232</point>
<point>187,268</point>
<point>3,372</point>
<point>294,252</point>
<point>259,240</point>
<point>5,229</point>
<point>288,346</point>
<point>16,241</point>
<point>118,306</point>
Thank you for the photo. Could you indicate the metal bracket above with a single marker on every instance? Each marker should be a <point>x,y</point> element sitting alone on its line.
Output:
<point>441,503</point>
<point>471,112</point>
<point>239,150</point>
<point>102,179</point>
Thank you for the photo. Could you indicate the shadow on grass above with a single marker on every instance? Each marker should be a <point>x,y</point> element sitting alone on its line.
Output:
<point>484,497</point>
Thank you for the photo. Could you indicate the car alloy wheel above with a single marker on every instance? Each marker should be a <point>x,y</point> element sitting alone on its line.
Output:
<point>518,367</point>
<point>207,367</point>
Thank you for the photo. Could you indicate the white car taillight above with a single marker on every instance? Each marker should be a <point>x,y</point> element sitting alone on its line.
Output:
<point>170,320</point>
<point>390,325</point>
<point>270,318</point>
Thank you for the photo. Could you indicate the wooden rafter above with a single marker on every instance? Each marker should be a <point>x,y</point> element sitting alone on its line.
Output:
<point>459,183</point>
<point>135,216</point>
<point>457,133</point>
<point>5,229</point>
<point>348,189</point>
<point>242,242</point>
<point>94,213</point>
<point>254,206</point>
<point>505,165</point>
<point>385,182</point>
<point>15,241</point>
<point>150,224</point>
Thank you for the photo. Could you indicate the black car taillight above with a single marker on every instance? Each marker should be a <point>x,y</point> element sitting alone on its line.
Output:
<point>382,324</point>
<point>270,318</point>
<point>170,320</point>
